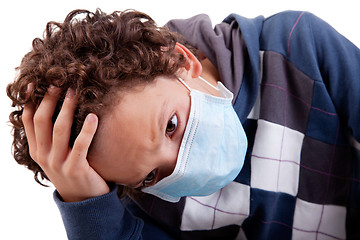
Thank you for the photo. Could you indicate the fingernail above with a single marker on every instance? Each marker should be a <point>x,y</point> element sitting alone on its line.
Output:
<point>91,118</point>
<point>70,93</point>
<point>51,89</point>
<point>29,88</point>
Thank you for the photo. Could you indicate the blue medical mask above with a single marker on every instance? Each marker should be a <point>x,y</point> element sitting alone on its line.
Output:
<point>212,150</point>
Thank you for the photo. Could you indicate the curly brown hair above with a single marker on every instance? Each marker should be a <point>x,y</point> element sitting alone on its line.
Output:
<point>95,54</point>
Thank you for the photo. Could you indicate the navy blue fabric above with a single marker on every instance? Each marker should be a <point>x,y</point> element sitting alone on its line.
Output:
<point>250,127</point>
<point>262,222</point>
<point>103,217</point>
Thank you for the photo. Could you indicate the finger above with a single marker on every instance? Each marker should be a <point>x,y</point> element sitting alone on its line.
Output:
<point>84,139</point>
<point>62,126</point>
<point>27,119</point>
<point>43,121</point>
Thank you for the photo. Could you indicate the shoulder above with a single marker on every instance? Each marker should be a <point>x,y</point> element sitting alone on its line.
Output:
<point>294,24</point>
<point>293,32</point>
<point>290,17</point>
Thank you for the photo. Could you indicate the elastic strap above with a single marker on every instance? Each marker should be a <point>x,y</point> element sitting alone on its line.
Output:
<point>208,83</point>
<point>184,83</point>
<point>201,78</point>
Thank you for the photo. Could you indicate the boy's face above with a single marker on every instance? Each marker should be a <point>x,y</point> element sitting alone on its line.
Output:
<point>139,141</point>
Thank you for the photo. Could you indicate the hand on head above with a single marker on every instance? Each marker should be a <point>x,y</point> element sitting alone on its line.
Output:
<point>67,168</point>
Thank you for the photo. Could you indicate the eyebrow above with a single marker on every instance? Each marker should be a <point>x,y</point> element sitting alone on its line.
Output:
<point>162,115</point>
<point>161,120</point>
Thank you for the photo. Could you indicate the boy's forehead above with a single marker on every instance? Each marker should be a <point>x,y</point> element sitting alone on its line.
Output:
<point>130,119</point>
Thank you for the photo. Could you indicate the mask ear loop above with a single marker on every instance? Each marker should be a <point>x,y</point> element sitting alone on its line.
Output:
<point>201,78</point>
<point>205,81</point>
<point>184,83</point>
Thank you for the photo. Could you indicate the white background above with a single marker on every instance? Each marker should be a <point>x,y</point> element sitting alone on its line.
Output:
<point>27,210</point>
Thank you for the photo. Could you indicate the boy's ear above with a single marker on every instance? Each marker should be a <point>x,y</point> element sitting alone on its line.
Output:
<point>193,66</point>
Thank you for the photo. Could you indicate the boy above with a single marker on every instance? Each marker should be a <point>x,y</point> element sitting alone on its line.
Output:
<point>294,84</point>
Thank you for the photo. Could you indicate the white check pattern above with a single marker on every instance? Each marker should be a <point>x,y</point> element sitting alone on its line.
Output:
<point>275,167</point>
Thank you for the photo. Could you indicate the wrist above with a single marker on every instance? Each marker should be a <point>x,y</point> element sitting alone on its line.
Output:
<point>79,197</point>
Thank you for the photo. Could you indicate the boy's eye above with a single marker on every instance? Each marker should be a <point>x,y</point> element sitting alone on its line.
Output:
<point>149,178</point>
<point>171,125</point>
